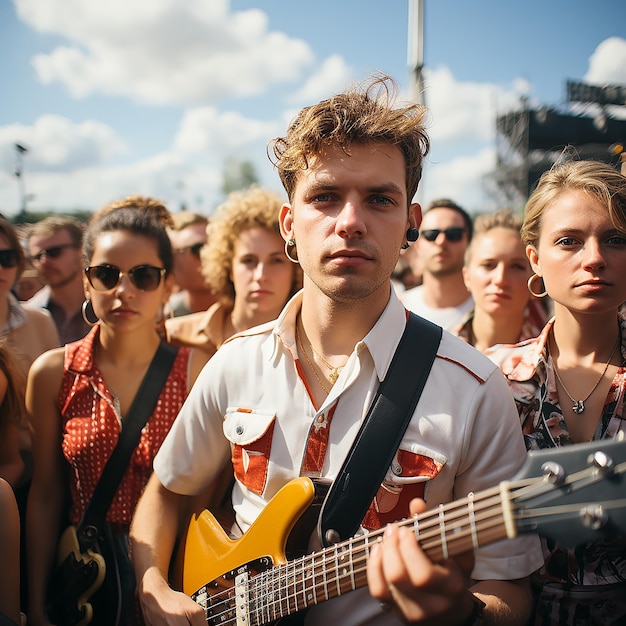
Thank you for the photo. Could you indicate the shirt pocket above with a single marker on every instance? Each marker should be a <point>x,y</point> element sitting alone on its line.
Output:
<point>250,433</point>
<point>406,479</point>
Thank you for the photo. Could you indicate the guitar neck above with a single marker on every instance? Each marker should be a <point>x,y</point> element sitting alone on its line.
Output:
<point>446,531</point>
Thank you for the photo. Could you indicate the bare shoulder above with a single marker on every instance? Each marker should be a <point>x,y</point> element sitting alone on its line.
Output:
<point>48,366</point>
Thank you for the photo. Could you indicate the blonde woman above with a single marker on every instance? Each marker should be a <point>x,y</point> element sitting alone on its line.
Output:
<point>496,273</point>
<point>245,265</point>
<point>569,383</point>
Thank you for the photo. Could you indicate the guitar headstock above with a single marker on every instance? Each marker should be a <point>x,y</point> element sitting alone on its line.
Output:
<point>573,494</point>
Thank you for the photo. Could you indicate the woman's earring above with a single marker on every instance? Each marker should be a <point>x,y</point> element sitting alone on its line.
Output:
<point>89,315</point>
<point>543,294</point>
<point>290,245</point>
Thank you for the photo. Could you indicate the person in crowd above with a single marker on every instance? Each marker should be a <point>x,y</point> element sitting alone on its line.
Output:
<point>287,399</point>
<point>28,284</point>
<point>27,332</point>
<point>569,383</point>
<point>78,396</point>
<point>12,415</point>
<point>54,246</point>
<point>445,234</point>
<point>496,274</point>
<point>188,236</point>
<point>9,557</point>
<point>245,265</point>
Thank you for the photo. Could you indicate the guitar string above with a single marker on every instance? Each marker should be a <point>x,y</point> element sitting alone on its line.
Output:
<point>285,579</point>
<point>430,520</point>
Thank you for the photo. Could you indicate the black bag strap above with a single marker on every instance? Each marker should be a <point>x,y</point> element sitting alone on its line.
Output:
<point>138,414</point>
<point>381,432</point>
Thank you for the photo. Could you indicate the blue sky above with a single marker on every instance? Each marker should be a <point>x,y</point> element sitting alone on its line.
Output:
<point>155,96</point>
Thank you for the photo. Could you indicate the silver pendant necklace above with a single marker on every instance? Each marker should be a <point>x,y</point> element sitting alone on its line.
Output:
<point>578,406</point>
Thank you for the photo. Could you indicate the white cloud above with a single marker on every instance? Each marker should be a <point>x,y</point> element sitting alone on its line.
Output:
<point>460,178</point>
<point>465,111</point>
<point>607,65</point>
<point>207,130</point>
<point>55,143</point>
<point>72,166</point>
<point>333,76</point>
<point>187,52</point>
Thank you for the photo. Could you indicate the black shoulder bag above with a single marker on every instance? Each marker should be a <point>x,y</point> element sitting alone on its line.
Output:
<point>381,432</point>
<point>91,557</point>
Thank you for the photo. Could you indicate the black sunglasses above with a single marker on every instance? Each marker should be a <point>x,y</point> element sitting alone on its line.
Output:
<point>194,249</point>
<point>452,234</point>
<point>106,277</point>
<point>9,258</point>
<point>53,252</point>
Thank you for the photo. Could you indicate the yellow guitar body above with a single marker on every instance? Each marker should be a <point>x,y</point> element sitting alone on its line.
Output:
<point>207,551</point>
<point>69,547</point>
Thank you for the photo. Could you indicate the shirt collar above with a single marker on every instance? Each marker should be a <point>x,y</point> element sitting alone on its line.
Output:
<point>381,341</point>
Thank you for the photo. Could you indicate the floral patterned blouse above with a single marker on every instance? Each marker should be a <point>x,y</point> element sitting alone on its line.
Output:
<point>530,373</point>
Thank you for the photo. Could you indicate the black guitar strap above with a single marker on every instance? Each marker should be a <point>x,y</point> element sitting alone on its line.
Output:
<point>381,432</point>
<point>138,414</point>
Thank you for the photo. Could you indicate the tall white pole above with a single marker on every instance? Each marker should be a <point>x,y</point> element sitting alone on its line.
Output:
<point>415,49</point>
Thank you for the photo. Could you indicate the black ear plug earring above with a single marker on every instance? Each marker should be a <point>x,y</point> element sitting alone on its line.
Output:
<point>412,234</point>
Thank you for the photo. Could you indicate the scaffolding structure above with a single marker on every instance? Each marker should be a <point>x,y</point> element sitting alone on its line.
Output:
<point>530,140</point>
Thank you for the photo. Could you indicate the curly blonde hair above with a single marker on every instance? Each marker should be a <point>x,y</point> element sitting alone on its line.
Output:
<point>242,210</point>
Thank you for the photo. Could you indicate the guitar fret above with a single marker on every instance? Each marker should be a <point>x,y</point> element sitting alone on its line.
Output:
<point>472,519</point>
<point>351,569</point>
<point>442,532</point>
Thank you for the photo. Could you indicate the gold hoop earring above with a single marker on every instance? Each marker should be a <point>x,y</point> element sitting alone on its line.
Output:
<point>290,245</point>
<point>543,294</point>
<point>89,315</point>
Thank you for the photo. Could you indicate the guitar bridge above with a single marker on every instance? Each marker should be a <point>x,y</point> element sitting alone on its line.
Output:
<point>227,599</point>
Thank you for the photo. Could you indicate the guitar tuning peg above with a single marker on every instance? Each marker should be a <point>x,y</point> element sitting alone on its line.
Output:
<point>553,473</point>
<point>594,516</point>
<point>602,461</point>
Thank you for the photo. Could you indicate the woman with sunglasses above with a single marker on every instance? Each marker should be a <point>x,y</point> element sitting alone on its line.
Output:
<point>244,263</point>
<point>496,272</point>
<point>78,396</point>
<point>569,383</point>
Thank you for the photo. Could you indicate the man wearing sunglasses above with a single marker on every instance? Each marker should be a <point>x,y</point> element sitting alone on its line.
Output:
<point>445,233</point>
<point>192,294</point>
<point>54,245</point>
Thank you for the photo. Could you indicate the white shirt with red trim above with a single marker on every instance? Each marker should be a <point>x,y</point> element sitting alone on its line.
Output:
<point>250,404</point>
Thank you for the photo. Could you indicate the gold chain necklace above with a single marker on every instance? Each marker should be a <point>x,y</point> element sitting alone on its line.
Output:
<point>578,406</point>
<point>306,356</point>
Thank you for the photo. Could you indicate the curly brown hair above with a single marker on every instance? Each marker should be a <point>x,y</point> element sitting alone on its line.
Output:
<point>364,115</point>
<point>241,211</point>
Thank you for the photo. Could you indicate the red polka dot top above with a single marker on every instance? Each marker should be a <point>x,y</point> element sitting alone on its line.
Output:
<point>91,429</point>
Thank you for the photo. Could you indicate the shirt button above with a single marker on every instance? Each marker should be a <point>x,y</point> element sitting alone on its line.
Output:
<point>396,468</point>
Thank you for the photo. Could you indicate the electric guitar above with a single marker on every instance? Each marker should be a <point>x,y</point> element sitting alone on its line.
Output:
<point>571,495</point>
